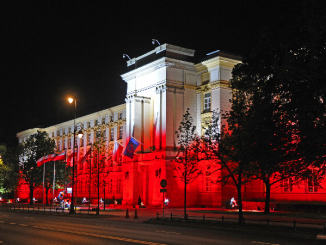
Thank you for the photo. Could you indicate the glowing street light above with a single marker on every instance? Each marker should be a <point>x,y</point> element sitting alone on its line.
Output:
<point>80,135</point>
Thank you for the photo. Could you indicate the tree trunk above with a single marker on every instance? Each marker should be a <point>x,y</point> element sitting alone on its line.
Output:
<point>240,203</point>
<point>46,195</point>
<point>268,197</point>
<point>31,190</point>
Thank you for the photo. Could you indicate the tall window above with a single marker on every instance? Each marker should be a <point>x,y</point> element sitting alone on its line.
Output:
<point>89,138</point>
<point>69,130</point>
<point>82,141</point>
<point>120,132</point>
<point>312,182</point>
<point>120,115</point>
<point>52,134</point>
<point>207,101</point>
<point>95,122</point>
<point>207,182</point>
<point>120,185</point>
<point>69,143</point>
<point>103,120</point>
<point>88,124</point>
<point>59,146</point>
<point>111,134</point>
<point>111,118</point>
<point>287,185</point>
<point>58,132</point>
<point>64,143</point>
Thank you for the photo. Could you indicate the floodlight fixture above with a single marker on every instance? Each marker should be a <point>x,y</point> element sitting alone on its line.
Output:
<point>155,40</point>
<point>125,55</point>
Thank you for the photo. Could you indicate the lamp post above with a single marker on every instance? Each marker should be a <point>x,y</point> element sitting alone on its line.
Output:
<point>80,134</point>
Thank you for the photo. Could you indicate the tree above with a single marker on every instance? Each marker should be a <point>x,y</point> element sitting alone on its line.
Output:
<point>285,93</point>
<point>61,175</point>
<point>227,145</point>
<point>36,146</point>
<point>187,165</point>
<point>9,169</point>
<point>100,154</point>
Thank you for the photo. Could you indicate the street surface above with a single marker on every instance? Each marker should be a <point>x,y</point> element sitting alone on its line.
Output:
<point>26,228</point>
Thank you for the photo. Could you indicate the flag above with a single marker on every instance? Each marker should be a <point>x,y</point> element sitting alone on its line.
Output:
<point>83,159</point>
<point>131,148</point>
<point>69,158</point>
<point>49,158</point>
<point>40,162</point>
<point>60,156</point>
<point>117,151</point>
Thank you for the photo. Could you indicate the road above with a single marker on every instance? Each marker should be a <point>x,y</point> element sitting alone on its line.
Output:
<point>27,228</point>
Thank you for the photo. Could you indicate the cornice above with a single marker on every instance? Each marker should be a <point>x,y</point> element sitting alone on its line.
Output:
<point>85,118</point>
<point>163,62</point>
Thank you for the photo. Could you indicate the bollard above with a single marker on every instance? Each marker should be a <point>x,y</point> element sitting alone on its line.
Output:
<point>294,224</point>
<point>136,215</point>
<point>171,216</point>
<point>157,215</point>
<point>204,217</point>
<point>268,223</point>
<point>127,214</point>
<point>39,209</point>
<point>222,219</point>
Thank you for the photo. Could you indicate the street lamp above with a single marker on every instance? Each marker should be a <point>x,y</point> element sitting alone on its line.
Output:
<point>80,135</point>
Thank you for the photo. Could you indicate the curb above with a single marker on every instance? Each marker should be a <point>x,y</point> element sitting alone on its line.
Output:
<point>306,233</point>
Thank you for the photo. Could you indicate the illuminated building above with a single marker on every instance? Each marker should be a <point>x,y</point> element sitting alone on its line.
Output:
<point>161,85</point>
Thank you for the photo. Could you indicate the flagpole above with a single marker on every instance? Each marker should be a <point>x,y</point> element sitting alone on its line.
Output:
<point>90,178</point>
<point>53,183</point>
<point>43,182</point>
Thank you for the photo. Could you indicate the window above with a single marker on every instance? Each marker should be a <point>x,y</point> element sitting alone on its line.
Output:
<point>81,165</point>
<point>59,148</point>
<point>110,186</point>
<point>312,181</point>
<point>88,165</point>
<point>120,115</point>
<point>52,134</point>
<point>88,124</point>
<point>58,132</point>
<point>111,118</point>
<point>120,185</point>
<point>69,130</point>
<point>82,141</point>
<point>207,182</point>
<point>89,138</point>
<point>287,185</point>
<point>207,101</point>
<point>96,122</point>
<point>120,132</point>
<point>111,134</point>
<point>64,144</point>
<point>127,175</point>
<point>69,143</point>
<point>103,120</point>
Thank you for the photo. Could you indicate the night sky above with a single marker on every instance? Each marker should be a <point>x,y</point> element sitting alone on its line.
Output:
<point>50,49</point>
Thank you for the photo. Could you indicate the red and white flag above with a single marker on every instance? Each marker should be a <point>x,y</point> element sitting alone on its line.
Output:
<point>83,159</point>
<point>69,162</point>
<point>117,151</point>
<point>60,157</point>
<point>40,161</point>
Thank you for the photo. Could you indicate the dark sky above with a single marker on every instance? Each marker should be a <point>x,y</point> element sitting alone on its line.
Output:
<point>49,49</point>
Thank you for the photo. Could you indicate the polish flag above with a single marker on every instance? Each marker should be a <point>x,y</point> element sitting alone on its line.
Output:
<point>83,159</point>
<point>69,162</point>
<point>40,161</point>
<point>61,156</point>
<point>117,151</point>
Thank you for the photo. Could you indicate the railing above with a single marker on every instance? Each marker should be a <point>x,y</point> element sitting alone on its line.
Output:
<point>222,220</point>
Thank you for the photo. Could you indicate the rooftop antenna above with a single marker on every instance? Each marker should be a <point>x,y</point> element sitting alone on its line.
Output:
<point>155,40</point>
<point>125,55</point>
